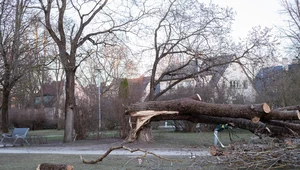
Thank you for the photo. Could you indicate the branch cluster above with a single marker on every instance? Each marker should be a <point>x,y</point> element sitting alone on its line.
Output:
<point>254,156</point>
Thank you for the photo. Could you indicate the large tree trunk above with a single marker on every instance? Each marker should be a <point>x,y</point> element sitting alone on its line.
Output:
<point>190,107</point>
<point>70,105</point>
<point>254,117</point>
<point>145,134</point>
<point>4,110</point>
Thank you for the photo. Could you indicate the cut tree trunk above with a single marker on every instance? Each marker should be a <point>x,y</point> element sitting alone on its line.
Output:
<point>253,117</point>
<point>188,106</point>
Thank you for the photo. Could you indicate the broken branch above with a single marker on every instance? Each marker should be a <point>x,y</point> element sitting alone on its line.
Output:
<point>128,149</point>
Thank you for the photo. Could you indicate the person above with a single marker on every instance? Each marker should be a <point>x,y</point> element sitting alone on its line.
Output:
<point>219,128</point>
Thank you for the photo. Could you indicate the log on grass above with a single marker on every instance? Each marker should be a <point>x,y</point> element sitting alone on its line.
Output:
<point>50,166</point>
<point>270,128</point>
<point>187,106</point>
<point>253,117</point>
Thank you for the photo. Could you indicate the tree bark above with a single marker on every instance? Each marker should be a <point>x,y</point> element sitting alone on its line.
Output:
<point>282,115</point>
<point>47,166</point>
<point>187,106</point>
<point>4,110</point>
<point>258,118</point>
<point>145,134</point>
<point>70,105</point>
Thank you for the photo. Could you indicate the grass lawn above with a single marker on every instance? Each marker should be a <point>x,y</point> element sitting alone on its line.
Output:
<point>164,136</point>
<point>30,162</point>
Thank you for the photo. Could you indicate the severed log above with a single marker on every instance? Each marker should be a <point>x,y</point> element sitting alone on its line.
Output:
<point>186,106</point>
<point>253,117</point>
<point>295,128</point>
<point>282,115</point>
<point>258,128</point>
<point>50,166</point>
<point>297,107</point>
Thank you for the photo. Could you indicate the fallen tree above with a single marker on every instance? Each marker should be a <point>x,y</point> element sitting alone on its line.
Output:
<point>258,118</point>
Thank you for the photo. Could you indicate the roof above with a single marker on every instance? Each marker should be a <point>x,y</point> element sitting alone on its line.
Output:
<point>214,66</point>
<point>51,88</point>
<point>269,75</point>
<point>218,65</point>
<point>50,92</point>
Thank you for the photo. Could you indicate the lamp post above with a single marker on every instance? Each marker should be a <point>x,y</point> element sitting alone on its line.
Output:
<point>99,103</point>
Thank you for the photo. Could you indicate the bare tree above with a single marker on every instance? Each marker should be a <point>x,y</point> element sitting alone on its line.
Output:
<point>188,35</point>
<point>71,24</point>
<point>291,8</point>
<point>15,48</point>
<point>185,32</point>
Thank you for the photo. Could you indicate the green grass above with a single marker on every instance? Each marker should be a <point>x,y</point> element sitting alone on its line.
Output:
<point>31,161</point>
<point>162,138</point>
<point>55,135</point>
<point>199,139</point>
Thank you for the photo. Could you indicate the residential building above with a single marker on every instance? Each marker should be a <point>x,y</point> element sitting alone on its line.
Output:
<point>279,85</point>
<point>221,73</point>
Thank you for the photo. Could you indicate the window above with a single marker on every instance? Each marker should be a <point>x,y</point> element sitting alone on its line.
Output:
<point>245,84</point>
<point>235,84</point>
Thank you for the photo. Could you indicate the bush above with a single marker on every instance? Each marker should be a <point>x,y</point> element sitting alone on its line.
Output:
<point>32,118</point>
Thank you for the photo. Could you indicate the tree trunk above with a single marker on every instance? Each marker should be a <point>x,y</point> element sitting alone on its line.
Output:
<point>255,117</point>
<point>70,105</point>
<point>145,134</point>
<point>187,106</point>
<point>4,110</point>
<point>48,166</point>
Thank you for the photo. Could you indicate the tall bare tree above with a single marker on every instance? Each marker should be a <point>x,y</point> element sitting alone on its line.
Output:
<point>71,24</point>
<point>188,35</point>
<point>291,9</point>
<point>15,48</point>
<point>185,31</point>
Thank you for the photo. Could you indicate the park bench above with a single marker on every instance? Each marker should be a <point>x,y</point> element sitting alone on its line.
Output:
<point>17,134</point>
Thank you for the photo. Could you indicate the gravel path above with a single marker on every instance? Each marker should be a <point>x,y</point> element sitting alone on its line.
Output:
<point>43,150</point>
<point>99,148</point>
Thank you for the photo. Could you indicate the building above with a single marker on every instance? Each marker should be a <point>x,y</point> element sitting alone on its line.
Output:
<point>278,85</point>
<point>222,74</point>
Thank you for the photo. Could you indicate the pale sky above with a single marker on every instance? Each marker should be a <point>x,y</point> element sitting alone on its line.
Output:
<point>251,13</point>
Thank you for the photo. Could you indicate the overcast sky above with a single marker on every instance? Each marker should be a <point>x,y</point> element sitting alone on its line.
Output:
<point>250,13</point>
